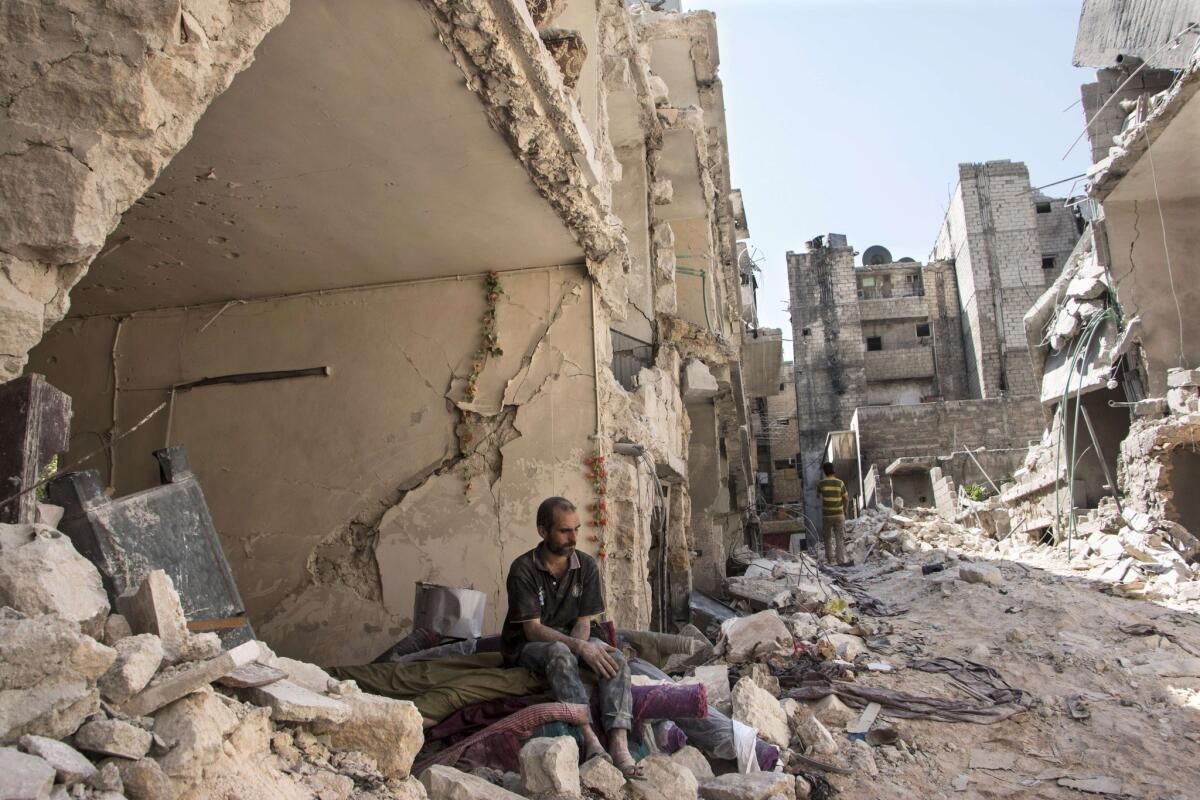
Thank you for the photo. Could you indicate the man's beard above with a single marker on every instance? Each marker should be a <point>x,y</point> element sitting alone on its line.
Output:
<point>560,550</point>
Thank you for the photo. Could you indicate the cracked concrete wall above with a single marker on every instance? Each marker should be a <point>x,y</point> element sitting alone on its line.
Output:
<point>95,99</point>
<point>333,495</point>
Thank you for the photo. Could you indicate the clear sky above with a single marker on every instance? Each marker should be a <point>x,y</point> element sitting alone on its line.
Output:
<point>851,116</point>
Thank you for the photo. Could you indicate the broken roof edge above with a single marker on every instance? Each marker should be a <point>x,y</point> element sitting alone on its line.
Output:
<point>498,49</point>
<point>1107,174</point>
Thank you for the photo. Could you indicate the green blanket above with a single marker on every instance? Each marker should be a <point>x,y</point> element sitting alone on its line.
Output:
<point>439,688</point>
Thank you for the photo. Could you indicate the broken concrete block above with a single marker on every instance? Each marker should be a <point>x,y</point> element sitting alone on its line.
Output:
<point>24,777</point>
<point>291,702</point>
<point>698,381</point>
<point>408,789</point>
<point>48,671</point>
<point>194,729</point>
<point>832,711</point>
<point>755,786</point>
<point>550,767</point>
<point>107,779</point>
<point>170,685</point>
<point>815,736</point>
<point>1183,400</point>
<point>663,780</point>
<point>662,192</point>
<point>251,675</point>
<point>862,760</point>
<point>144,779</point>
<point>154,607</point>
<point>138,658</point>
<point>761,674</point>
<point>980,573</point>
<point>754,707</point>
<point>49,514</point>
<point>694,760</point>
<point>388,730</point>
<point>600,778</point>
<point>46,575</point>
<point>1178,377</point>
<point>310,676</point>
<point>715,678</point>
<point>447,783</point>
<point>113,737</point>
<point>756,636</point>
<point>328,785</point>
<point>116,628</point>
<point>846,646</point>
<point>69,764</point>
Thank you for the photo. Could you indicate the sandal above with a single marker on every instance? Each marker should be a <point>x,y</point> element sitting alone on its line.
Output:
<point>632,770</point>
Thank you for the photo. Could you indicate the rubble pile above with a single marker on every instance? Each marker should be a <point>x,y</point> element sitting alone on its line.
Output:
<point>95,704</point>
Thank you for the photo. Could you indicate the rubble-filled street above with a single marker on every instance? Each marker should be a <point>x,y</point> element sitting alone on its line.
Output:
<point>396,404</point>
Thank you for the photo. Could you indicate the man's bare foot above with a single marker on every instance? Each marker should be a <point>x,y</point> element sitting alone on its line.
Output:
<point>591,744</point>
<point>618,748</point>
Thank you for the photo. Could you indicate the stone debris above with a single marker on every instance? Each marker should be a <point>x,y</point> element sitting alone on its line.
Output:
<point>550,768</point>
<point>173,684</point>
<point>599,777</point>
<point>447,783</point>
<point>46,575</point>
<point>385,729</point>
<point>138,659</point>
<point>755,786</point>
<point>756,636</point>
<point>291,702</point>
<point>815,737</point>
<point>760,710</point>
<point>69,764</point>
<point>154,607</point>
<point>113,737</point>
<point>977,573</point>
<point>695,762</point>
<point>663,779</point>
<point>24,777</point>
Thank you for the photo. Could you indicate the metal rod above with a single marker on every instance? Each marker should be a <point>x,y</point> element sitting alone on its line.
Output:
<point>253,377</point>
<point>1087,420</point>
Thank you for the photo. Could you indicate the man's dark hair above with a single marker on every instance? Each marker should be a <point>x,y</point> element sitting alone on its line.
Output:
<point>545,512</point>
<point>827,467</point>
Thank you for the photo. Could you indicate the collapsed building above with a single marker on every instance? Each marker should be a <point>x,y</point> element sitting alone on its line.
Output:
<point>902,368</point>
<point>442,298</point>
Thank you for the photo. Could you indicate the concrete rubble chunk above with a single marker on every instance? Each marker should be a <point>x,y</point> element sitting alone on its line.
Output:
<point>755,636</point>
<point>663,780</point>
<point>154,607</point>
<point>1177,377</point>
<point>194,729</point>
<point>761,674</point>
<point>107,779</point>
<point>46,575</point>
<point>144,779</point>
<point>694,760</point>
<point>447,783</point>
<point>846,646</point>
<point>698,381</point>
<point>815,736</point>
<point>138,658</point>
<point>24,777</point>
<point>48,671</point>
<point>252,674</point>
<point>171,685</point>
<point>291,702</point>
<point>980,573</point>
<point>760,710</point>
<point>715,678</point>
<point>310,676</point>
<point>600,778</point>
<point>113,737</point>
<point>384,728</point>
<point>832,711</point>
<point>69,764</point>
<point>755,786</point>
<point>116,628</point>
<point>550,767</point>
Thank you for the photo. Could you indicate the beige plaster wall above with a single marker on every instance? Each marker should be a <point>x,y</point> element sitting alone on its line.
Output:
<point>333,495</point>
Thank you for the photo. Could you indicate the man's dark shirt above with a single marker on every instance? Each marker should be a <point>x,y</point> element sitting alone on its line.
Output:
<point>534,593</point>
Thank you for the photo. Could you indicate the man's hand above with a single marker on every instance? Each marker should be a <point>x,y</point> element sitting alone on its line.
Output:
<point>596,656</point>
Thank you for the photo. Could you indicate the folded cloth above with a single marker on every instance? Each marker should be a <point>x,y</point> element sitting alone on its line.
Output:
<point>475,717</point>
<point>439,688</point>
<point>520,725</point>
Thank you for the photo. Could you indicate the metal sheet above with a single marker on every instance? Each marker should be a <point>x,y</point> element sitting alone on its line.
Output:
<point>456,613</point>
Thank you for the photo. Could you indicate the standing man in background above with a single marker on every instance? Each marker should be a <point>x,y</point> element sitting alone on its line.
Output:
<point>835,504</point>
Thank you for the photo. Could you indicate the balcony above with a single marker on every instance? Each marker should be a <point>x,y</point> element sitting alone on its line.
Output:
<point>896,365</point>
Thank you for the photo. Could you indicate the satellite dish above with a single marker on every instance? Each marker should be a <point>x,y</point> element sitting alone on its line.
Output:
<point>907,260</point>
<point>875,255</point>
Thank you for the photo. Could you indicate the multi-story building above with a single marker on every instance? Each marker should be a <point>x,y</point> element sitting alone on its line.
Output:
<point>899,363</point>
<point>502,235</point>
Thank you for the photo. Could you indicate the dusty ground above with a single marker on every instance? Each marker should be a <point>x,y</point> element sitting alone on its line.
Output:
<point>1055,636</point>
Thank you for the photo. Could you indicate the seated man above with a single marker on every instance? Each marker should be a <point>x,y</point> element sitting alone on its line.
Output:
<point>554,595</point>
